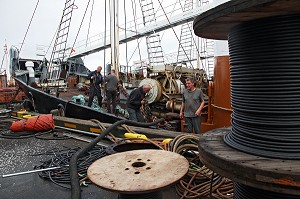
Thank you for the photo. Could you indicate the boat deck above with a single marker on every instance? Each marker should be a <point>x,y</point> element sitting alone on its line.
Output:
<point>16,155</point>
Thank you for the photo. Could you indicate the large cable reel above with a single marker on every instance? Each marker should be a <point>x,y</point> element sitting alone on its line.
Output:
<point>156,90</point>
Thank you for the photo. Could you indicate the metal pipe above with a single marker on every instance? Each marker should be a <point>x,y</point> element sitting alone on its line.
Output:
<point>32,171</point>
<point>210,94</point>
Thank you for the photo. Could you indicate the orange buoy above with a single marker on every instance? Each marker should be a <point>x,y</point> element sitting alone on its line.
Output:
<point>35,124</point>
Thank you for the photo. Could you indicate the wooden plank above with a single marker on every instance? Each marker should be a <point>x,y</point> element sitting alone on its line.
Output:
<point>87,125</point>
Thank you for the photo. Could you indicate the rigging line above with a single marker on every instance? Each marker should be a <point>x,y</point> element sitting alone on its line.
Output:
<point>134,14</point>
<point>51,42</point>
<point>80,26</point>
<point>87,36</point>
<point>126,45</point>
<point>202,3</point>
<point>88,33</point>
<point>154,18</point>
<point>180,45</point>
<point>104,52</point>
<point>159,7</point>
<point>29,24</point>
<point>174,32</point>
<point>139,41</point>
<point>170,16</point>
<point>197,49</point>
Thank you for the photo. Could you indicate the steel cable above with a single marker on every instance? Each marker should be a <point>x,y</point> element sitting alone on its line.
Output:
<point>265,87</point>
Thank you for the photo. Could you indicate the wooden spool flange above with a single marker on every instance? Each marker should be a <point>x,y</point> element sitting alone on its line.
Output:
<point>277,175</point>
<point>217,22</point>
<point>138,171</point>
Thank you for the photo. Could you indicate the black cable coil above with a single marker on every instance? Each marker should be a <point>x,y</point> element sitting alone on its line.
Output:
<point>245,192</point>
<point>265,87</point>
<point>61,157</point>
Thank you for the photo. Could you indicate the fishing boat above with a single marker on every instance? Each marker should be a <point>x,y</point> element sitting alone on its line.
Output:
<point>165,75</point>
<point>43,102</point>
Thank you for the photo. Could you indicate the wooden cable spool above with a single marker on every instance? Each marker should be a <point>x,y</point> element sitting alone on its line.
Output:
<point>138,173</point>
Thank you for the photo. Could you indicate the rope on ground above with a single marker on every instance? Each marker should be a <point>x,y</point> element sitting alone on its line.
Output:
<point>111,137</point>
<point>128,129</point>
<point>145,140</point>
<point>199,182</point>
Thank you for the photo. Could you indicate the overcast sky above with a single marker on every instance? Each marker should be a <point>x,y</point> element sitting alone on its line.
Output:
<point>16,17</point>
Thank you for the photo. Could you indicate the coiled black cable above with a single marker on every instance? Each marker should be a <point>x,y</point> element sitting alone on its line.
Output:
<point>265,87</point>
<point>245,192</point>
<point>61,157</point>
<point>75,192</point>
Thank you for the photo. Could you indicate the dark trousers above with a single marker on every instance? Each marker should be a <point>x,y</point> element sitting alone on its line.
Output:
<point>111,98</point>
<point>193,123</point>
<point>135,115</point>
<point>95,90</point>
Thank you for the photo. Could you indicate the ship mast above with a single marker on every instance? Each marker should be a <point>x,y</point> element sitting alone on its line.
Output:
<point>114,35</point>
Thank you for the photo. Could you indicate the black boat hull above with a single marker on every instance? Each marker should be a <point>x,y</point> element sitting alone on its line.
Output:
<point>44,103</point>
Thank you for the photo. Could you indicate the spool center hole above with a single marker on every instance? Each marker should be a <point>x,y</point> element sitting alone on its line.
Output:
<point>138,164</point>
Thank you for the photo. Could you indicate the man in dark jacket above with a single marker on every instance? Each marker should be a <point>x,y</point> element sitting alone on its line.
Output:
<point>96,79</point>
<point>134,102</point>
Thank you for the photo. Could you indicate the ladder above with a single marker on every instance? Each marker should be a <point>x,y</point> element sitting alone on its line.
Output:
<point>155,52</point>
<point>185,49</point>
<point>59,49</point>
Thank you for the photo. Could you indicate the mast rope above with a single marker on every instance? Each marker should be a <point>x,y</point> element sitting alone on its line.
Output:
<point>197,49</point>
<point>126,44</point>
<point>29,24</point>
<point>104,52</point>
<point>87,36</point>
<point>134,15</point>
<point>51,42</point>
<point>173,10</point>
<point>88,33</point>
<point>174,32</point>
<point>141,40</point>
<point>80,26</point>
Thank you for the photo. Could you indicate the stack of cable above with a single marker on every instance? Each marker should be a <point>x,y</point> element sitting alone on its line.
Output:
<point>61,158</point>
<point>265,91</point>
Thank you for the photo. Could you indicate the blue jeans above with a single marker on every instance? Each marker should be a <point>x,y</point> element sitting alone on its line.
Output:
<point>135,115</point>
